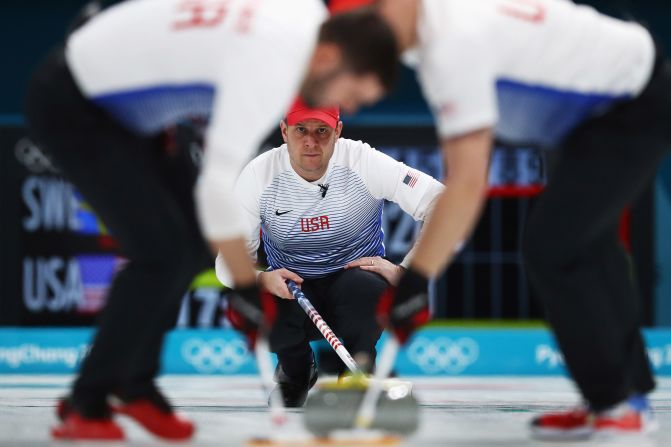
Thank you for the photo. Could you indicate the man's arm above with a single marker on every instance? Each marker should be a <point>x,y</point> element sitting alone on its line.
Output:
<point>414,191</point>
<point>458,207</point>
<point>247,105</point>
<point>453,218</point>
<point>247,193</point>
<point>236,257</point>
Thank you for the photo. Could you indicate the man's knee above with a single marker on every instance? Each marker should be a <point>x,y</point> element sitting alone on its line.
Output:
<point>359,334</point>
<point>360,288</point>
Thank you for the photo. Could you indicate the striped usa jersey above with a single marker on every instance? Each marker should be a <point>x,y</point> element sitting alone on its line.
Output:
<point>533,69</point>
<point>315,230</point>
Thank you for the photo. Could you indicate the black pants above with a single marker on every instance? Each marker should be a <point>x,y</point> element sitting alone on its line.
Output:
<point>573,255</point>
<point>144,196</point>
<point>346,300</point>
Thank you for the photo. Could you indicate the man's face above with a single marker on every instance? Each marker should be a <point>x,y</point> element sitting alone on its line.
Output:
<point>311,143</point>
<point>341,87</point>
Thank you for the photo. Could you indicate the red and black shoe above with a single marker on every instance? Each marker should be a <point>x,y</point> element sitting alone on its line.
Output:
<point>157,416</point>
<point>76,426</point>
<point>63,408</point>
<point>575,424</point>
<point>631,417</point>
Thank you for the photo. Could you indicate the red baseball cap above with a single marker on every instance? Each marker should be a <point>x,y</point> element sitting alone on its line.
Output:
<point>299,111</point>
<point>338,6</point>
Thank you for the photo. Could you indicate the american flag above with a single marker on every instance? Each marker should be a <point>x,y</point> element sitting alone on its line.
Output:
<point>411,178</point>
<point>96,273</point>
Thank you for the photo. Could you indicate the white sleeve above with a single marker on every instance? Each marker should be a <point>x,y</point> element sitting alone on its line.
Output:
<point>458,82</point>
<point>249,103</point>
<point>414,191</point>
<point>247,194</point>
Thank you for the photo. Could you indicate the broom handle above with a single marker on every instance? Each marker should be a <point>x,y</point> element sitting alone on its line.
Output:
<point>324,328</point>
<point>262,351</point>
<point>366,412</point>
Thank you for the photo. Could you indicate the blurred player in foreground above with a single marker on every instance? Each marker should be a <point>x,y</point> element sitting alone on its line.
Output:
<point>317,202</point>
<point>558,75</point>
<point>97,105</point>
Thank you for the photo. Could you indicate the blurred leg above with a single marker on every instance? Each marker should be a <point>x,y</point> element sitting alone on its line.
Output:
<point>575,261</point>
<point>118,173</point>
<point>179,175</point>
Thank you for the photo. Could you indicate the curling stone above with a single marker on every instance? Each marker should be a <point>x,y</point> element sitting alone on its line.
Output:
<point>334,405</point>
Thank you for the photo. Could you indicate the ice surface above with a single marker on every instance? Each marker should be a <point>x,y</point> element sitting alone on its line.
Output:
<point>456,412</point>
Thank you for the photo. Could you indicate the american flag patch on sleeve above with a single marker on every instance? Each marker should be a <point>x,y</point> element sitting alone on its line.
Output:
<point>411,178</point>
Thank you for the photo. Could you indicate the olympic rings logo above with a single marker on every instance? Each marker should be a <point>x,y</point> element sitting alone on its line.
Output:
<point>216,355</point>
<point>32,157</point>
<point>443,354</point>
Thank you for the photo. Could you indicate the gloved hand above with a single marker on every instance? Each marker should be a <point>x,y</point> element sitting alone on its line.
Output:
<point>251,310</point>
<point>405,307</point>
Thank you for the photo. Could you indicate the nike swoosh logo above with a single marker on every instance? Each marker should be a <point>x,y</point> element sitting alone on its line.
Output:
<point>277,212</point>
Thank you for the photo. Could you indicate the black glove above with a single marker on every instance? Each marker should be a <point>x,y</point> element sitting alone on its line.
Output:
<point>405,307</point>
<point>251,310</point>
